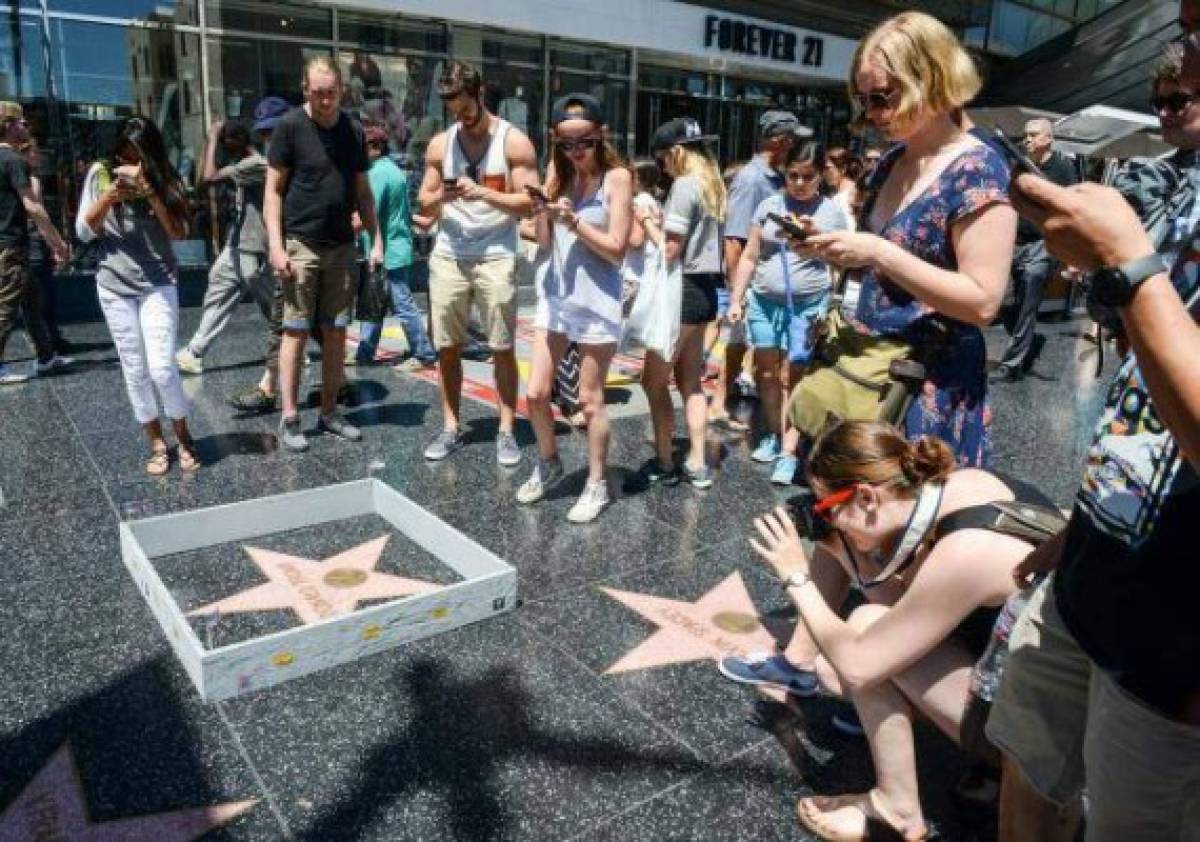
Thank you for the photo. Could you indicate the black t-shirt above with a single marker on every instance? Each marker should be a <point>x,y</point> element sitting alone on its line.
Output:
<point>14,178</point>
<point>322,167</point>
<point>1062,172</point>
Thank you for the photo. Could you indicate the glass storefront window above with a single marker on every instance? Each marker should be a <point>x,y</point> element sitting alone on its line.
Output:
<point>104,73</point>
<point>125,9</point>
<point>398,92</point>
<point>391,35</point>
<point>299,20</point>
<point>591,58</point>
<point>512,67</point>
<point>1015,29</point>
<point>601,72</point>
<point>22,68</point>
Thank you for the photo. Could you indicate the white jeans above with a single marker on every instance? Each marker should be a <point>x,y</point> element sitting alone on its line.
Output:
<point>143,329</point>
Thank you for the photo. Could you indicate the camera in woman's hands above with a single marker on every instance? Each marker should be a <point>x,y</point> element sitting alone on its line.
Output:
<point>808,523</point>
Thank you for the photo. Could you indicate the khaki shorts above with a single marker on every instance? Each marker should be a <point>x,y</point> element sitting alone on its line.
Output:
<point>490,284</point>
<point>1065,722</point>
<point>322,288</point>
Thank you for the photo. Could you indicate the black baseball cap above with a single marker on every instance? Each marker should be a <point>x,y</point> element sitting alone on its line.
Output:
<point>682,131</point>
<point>568,108</point>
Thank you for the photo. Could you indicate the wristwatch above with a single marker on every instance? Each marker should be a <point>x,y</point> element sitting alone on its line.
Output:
<point>797,579</point>
<point>1114,286</point>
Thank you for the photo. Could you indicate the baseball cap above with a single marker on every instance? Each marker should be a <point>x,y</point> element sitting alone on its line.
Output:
<point>376,133</point>
<point>592,110</point>
<point>268,111</point>
<point>774,123</point>
<point>680,131</point>
<point>11,110</point>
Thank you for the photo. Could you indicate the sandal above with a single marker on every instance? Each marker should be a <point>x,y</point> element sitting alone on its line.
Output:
<point>187,456</point>
<point>728,422</point>
<point>814,811</point>
<point>159,462</point>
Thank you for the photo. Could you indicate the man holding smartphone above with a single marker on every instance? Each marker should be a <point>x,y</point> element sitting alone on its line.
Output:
<point>1032,265</point>
<point>475,177</point>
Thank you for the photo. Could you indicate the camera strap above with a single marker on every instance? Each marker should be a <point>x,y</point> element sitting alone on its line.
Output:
<point>920,524</point>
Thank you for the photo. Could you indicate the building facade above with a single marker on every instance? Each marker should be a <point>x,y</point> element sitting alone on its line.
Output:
<point>79,66</point>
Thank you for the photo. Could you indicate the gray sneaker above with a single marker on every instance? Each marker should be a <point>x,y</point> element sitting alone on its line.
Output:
<point>507,452</point>
<point>545,475</point>
<point>590,504</point>
<point>52,365</point>
<point>701,477</point>
<point>443,444</point>
<point>336,425</point>
<point>290,435</point>
<point>187,362</point>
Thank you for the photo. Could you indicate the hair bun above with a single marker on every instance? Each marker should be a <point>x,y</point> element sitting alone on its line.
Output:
<point>928,459</point>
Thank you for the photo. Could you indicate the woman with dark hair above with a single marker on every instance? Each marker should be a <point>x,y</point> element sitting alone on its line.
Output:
<point>784,285</point>
<point>134,205</point>
<point>583,224</point>
<point>841,173</point>
<point>924,542</point>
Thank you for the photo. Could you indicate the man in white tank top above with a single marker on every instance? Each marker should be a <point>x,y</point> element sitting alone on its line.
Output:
<point>475,175</point>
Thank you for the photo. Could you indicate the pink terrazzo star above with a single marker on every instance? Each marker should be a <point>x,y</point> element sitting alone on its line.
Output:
<point>722,622</point>
<point>52,807</point>
<point>318,590</point>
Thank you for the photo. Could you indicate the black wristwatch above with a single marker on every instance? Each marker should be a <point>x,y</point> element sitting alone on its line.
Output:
<point>1114,286</point>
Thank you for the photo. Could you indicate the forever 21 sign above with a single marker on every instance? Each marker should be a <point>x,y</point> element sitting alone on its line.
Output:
<point>750,39</point>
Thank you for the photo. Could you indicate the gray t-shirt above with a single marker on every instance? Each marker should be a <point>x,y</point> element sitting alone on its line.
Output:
<point>686,216</point>
<point>249,177</point>
<point>809,276</point>
<point>753,183</point>
<point>135,251</point>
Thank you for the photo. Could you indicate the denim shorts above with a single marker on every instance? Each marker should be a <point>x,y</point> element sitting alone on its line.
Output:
<point>767,318</point>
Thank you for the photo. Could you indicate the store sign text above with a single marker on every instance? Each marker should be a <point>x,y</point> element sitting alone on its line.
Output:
<point>750,39</point>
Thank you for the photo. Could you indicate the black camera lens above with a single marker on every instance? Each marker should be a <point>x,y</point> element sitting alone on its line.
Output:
<point>808,524</point>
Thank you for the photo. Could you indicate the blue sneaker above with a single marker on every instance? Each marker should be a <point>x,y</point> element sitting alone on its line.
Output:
<point>765,668</point>
<point>785,470</point>
<point>767,450</point>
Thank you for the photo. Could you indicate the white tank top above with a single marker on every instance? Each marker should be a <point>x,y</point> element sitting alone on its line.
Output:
<point>475,230</point>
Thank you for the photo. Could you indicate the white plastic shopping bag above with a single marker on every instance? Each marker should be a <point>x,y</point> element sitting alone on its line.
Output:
<point>653,322</point>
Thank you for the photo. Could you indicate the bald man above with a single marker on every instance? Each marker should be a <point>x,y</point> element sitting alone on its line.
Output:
<point>1032,265</point>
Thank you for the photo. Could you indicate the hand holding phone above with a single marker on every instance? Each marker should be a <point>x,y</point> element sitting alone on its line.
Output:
<point>537,194</point>
<point>789,227</point>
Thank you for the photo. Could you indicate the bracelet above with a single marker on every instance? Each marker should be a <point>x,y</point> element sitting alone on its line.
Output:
<point>797,579</point>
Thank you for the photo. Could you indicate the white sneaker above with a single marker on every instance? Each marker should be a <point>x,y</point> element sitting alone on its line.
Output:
<point>590,503</point>
<point>545,474</point>
<point>11,376</point>
<point>188,362</point>
<point>53,364</point>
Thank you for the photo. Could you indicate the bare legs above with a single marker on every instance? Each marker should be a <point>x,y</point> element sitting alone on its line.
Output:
<point>656,378</point>
<point>450,377</point>
<point>548,349</point>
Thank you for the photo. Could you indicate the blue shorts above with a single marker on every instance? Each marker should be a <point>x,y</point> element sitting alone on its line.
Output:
<point>767,318</point>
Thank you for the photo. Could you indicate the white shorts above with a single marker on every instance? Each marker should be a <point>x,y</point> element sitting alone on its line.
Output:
<point>578,324</point>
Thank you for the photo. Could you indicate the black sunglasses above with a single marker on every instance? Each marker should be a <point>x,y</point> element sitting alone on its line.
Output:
<point>875,99</point>
<point>1174,103</point>
<point>588,143</point>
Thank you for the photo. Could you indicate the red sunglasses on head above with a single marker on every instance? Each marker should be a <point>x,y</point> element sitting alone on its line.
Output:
<point>831,501</point>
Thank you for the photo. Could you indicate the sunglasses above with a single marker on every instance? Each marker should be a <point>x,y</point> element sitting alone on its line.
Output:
<point>824,507</point>
<point>875,99</point>
<point>583,144</point>
<point>1175,103</point>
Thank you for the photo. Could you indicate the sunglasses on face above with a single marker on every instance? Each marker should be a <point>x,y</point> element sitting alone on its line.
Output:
<point>1174,103</point>
<point>580,145</point>
<point>875,99</point>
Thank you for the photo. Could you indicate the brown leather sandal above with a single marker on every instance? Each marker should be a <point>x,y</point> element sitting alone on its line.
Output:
<point>188,460</point>
<point>159,462</point>
<point>813,813</point>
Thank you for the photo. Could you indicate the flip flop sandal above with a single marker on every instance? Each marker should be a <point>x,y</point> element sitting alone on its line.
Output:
<point>728,422</point>
<point>187,457</point>
<point>812,816</point>
<point>158,463</point>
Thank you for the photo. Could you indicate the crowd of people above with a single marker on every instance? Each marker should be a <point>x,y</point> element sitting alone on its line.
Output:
<point>1054,648</point>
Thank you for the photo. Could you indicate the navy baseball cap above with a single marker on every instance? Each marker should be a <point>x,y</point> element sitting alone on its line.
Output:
<point>681,131</point>
<point>577,107</point>
<point>268,111</point>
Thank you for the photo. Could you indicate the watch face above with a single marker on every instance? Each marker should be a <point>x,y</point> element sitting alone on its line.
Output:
<point>1111,288</point>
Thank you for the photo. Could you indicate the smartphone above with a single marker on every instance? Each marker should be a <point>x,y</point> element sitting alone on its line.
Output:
<point>1018,159</point>
<point>793,230</point>
<point>449,183</point>
<point>537,193</point>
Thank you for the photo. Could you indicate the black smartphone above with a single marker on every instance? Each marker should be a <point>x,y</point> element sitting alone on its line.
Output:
<point>793,230</point>
<point>1018,159</point>
<point>537,193</point>
<point>449,183</point>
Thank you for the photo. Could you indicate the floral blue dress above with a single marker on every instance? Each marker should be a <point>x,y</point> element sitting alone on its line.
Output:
<point>953,403</point>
